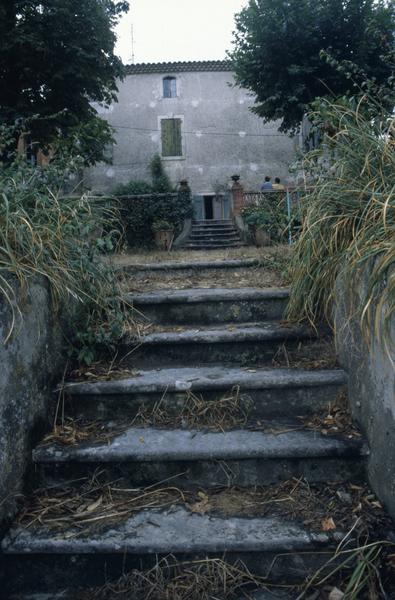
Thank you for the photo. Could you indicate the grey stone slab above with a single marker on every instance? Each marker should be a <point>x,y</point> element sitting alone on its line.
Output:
<point>243,333</point>
<point>209,378</point>
<point>148,444</point>
<point>193,264</point>
<point>176,531</point>
<point>197,295</point>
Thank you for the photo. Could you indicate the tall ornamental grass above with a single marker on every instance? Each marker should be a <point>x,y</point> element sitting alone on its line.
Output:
<point>44,232</point>
<point>349,215</point>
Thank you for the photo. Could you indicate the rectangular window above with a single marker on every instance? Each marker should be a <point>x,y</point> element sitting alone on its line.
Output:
<point>171,137</point>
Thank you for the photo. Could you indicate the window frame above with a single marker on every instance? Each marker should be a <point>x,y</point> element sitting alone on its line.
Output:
<point>166,118</point>
<point>172,82</point>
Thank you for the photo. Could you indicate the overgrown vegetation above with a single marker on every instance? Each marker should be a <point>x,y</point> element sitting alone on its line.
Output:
<point>349,209</point>
<point>270,215</point>
<point>277,51</point>
<point>144,204</point>
<point>56,59</point>
<point>62,238</point>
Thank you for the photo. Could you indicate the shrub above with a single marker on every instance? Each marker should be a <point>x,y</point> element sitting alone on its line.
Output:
<point>269,215</point>
<point>139,214</point>
<point>161,183</point>
<point>133,188</point>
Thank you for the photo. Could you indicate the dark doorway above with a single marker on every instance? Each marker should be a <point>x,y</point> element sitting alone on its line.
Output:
<point>208,207</point>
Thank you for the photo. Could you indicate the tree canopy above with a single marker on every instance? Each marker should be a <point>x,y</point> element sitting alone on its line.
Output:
<point>56,58</point>
<point>278,48</point>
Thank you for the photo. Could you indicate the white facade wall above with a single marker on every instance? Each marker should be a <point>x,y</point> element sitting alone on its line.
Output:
<point>221,136</point>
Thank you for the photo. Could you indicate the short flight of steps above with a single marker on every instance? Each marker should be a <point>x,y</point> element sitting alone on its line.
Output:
<point>213,234</point>
<point>146,481</point>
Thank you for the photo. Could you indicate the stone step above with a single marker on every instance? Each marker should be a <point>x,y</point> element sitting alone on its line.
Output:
<point>210,237</point>
<point>268,393</point>
<point>216,234</point>
<point>69,594</point>
<point>249,343</point>
<point>242,263</point>
<point>214,243</point>
<point>213,229</point>
<point>208,306</point>
<point>212,222</point>
<point>211,245</point>
<point>199,458</point>
<point>38,560</point>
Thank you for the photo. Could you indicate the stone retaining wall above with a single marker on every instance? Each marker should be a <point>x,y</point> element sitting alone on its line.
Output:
<point>30,364</point>
<point>371,371</point>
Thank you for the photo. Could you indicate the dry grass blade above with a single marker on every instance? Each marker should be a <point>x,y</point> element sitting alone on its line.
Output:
<point>206,579</point>
<point>349,221</point>
<point>224,413</point>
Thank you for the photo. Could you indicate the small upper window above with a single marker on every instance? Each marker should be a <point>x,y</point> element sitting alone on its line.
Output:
<point>169,87</point>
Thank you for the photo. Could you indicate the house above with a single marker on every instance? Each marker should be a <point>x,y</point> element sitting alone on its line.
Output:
<point>200,123</point>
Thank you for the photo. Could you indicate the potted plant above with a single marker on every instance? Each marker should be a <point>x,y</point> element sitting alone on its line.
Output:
<point>258,225</point>
<point>164,234</point>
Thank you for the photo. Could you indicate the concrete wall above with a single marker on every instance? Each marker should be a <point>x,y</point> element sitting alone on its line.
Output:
<point>29,367</point>
<point>371,372</point>
<point>221,136</point>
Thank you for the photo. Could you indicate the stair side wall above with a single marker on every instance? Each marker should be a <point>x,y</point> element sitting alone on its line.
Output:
<point>31,363</point>
<point>371,371</point>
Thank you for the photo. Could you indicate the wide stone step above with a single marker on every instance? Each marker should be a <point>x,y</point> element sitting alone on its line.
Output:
<point>38,560</point>
<point>212,222</point>
<point>191,267</point>
<point>214,238</point>
<point>213,234</point>
<point>241,344</point>
<point>268,393</point>
<point>217,305</point>
<point>213,229</point>
<point>146,456</point>
<point>212,245</point>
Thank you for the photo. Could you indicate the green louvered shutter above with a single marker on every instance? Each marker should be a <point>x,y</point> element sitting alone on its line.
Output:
<point>171,137</point>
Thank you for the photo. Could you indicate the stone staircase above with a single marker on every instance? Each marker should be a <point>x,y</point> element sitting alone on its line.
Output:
<point>208,343</point>
<point>213,234</point>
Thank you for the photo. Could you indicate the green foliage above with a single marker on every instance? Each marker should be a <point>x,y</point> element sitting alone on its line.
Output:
<point>56,58</point>
<point>269,214</point>
<point>43,233</point>
<point>278,46</point>
<point>133,188</point>
<point>161,183</point>
<point>161,225</point>
<point>349,213</point>
<point>140,213</point>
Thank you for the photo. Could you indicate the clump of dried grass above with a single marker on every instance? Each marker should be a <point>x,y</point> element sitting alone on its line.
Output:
<point>205,579</point>
<point>93,504</point>
<point>224,413</point>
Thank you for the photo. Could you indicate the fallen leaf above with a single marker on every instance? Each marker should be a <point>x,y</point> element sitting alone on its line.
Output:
<point>142,440</point>
<point>336,594</point>
<point>328,524</point>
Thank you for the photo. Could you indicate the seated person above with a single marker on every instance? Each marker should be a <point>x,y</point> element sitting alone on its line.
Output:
<point>266,185</point>
<point>277,185</point>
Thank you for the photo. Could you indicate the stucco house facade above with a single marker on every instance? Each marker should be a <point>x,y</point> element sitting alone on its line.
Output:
<point>200,123</point>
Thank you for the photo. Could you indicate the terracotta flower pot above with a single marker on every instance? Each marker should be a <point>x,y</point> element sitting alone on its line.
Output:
<point>163,238</point>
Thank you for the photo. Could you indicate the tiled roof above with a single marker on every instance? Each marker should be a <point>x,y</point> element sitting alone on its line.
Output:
<point>179,67</point>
